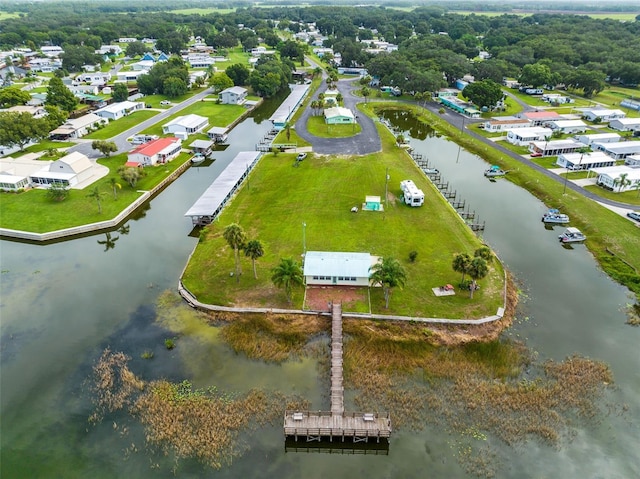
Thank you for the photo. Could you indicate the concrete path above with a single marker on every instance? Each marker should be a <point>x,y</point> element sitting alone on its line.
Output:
<point>365,142</point>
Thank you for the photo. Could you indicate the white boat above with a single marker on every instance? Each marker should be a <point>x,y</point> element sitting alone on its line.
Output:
<point>431,171</point>
<point>572,235</point>
<point>198,158</point>
<point>494,171</point>
<point>554,216</point>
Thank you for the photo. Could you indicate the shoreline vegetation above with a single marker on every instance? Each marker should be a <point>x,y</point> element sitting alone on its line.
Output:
<point>479,392</point>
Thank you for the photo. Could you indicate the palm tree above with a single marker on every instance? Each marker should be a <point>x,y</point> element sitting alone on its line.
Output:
<point>461,263</point>
<point>97,194</point>
<point>116,186</point>
<point>254,250</point>
<point>287,275</point>
<point>485,253</point>
<point>365,93</point>
<point>236,237</point>
<point>339,98</point>
<point>478,269</point>
<point>636,186</point>
<point>287,131</point>
<point>389,273</point>
<point>622,181</point>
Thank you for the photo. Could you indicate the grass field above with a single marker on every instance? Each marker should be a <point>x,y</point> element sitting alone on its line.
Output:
<point>320,193</point>
<point>219,115</point>
<point>5,15</point>
<point>202,11</point>
<point>116,127</point>
<point>318,127</point>
<point>627,17</point>
<point>43,146</point>
<point>33,211</point>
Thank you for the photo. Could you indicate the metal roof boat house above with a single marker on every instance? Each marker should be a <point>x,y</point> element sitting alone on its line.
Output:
<point>213,200</point>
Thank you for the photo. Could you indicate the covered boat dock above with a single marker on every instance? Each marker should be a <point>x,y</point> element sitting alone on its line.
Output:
<point>288,107</point>
<point>213,200</point>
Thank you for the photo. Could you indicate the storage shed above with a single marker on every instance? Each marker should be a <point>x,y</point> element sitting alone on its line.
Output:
<point>337,268</point>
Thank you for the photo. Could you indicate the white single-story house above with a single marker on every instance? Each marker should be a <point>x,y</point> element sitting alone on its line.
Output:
<point>611,177</point>
<point>68,171</point>
<point>200,60</point>
<point>337,268</point>
<point>524,136</point>
<point>129,76</point>
<point>45,65</point>
<point>35,111</point>
<point>619,150</point>
<point>537,118</point>
<point>259,51</point>
<point>557,98</point>
<point>555,147</point>
<point>52,50</point>
<point>598,138</point>
<point>605,115</point>
<point>161,150</point>
<point>95,77</point>
<point>77,127</point>
<point>185,125</point>
<point>143,65</point>
<point>109,50</point>
<point>338,115</point>
<point>584,161</point>
<point>118,110</point>
<point>567,126</point>
<point>13,182</point>
<point>625,124</point>
<point>504,123</point>
<point>235,95</point>
<point>632,160</point>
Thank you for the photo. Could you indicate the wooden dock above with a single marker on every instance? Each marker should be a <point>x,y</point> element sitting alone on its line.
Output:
<point>337,424</point>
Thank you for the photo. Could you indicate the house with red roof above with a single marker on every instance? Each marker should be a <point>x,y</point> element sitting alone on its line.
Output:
<point>157,151</point>
<point>538,118</point>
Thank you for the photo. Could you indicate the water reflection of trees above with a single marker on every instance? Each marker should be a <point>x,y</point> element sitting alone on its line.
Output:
<point>109,242</point>
<point>407,123</point>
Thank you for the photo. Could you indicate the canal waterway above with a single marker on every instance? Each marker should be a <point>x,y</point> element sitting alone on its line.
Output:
<point>63,303</point>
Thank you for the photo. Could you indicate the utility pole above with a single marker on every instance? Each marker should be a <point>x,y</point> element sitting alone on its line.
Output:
<point>386,186</point>
<point>304,239</point>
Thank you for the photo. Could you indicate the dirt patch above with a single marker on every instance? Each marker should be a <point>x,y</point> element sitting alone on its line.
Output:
<point>318,298</point>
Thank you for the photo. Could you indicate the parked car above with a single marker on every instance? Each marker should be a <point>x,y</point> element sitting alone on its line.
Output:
<point>535,155</point>
<point>165,102</point>
<point>301,156</point>
<point>634,215</point>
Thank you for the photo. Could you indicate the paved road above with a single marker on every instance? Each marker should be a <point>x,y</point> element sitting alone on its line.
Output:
<point>459,122</point>
<point>121,139</point>
<point>365,142</point>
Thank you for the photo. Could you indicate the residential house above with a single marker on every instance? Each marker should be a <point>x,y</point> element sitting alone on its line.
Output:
<point>96,78</point>
<point>68,171</point>
<point>235,95</point>
<point>604,115</point>
<point>554,147</point>
<point>567,126</point>
<point>338,115</point>
<point>35,111</point>
<point>337,268</point>
<point>129,76</point>
<point>632,160</point>
<point>625,124</point>
<point>109,50</point>
<point>202,147</point>
<point>619,150</point>
<point>127,40</point>
<point>289,106</point>
<point>524,136</point>
<point>457,105</point>
<point>259,51</point>
<point>538,118</point>
<point>598,137</point>
<point>77,127</point>
<point>154,152</point>
<point>200,61</point>
<point>45,65</point>
<point>52,51</point>
<point>612,177</point>
<point>79,90</point>
<point>503,123</point>
<point>119,110</point>
<point>186,125</point>
<point>218,134</point>
<point>584,161</point>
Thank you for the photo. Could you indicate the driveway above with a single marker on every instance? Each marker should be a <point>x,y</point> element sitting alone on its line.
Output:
<point>364,143</point>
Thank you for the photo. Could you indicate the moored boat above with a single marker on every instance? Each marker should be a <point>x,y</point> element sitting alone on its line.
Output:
<point>572,235</point>
<point>494,171</point>
<point>554,216</point>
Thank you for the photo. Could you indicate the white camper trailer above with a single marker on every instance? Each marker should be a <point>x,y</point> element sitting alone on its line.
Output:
<point>413,196</point>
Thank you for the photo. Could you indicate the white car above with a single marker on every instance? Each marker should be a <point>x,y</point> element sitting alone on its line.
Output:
<point>165,102</point>
<point>634,215</point>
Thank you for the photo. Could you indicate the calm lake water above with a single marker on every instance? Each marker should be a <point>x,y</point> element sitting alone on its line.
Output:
<point>63,303</point>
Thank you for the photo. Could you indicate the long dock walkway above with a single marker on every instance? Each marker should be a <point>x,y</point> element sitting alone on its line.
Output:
<point>337,424</point>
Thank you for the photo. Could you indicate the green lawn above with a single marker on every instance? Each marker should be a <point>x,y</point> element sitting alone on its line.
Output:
<point>627,17</point>
<point>154,100</point>
<point>219,115</point>
<point>611,238</point>
<point>318,127</point>
<point>613,95</point>
<point>43,146</point>
<point>116,127</point>
<point>33,211</point>
<point>5,15</point>
<point>202,11</point>
<point>631,197</point>
<point>320,193</point>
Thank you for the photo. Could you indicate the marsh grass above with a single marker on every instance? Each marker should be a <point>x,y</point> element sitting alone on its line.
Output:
<point>180,420</point>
